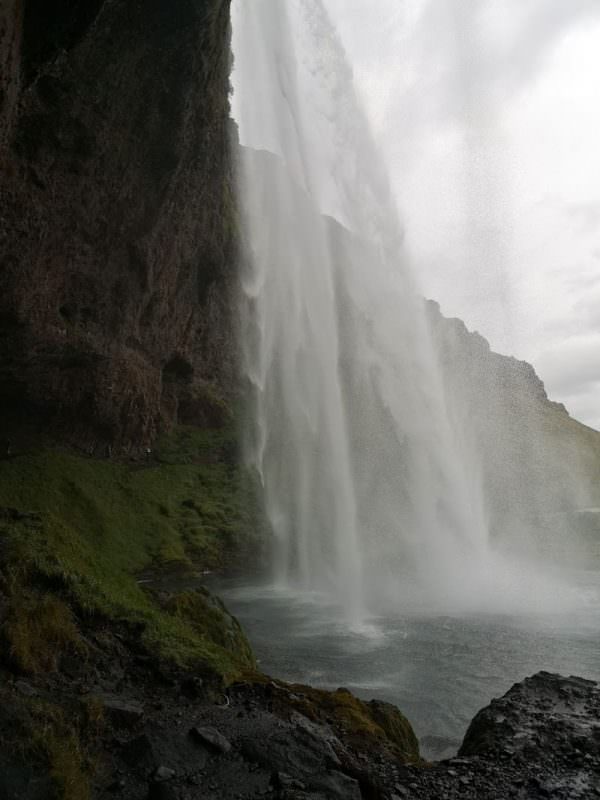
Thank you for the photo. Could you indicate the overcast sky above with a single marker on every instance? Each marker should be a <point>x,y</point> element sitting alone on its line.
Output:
<point>488,114</point>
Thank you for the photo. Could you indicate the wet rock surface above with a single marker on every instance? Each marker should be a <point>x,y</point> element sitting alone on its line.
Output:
<point>249,744</point>
<point>541,740</point>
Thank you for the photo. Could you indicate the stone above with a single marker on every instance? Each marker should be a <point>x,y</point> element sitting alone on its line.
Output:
<point>163,773</point>
<point>282,780</point>
<point>521,722</point>
<point>122,712</point>
<point>212,738</point>
<point>336,786</point>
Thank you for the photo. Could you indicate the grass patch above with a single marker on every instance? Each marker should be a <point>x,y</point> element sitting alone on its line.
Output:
<point>371,725</point>
<point>206,614</point>
<point>43,735</point>
<point>38,629</point>
<point>88,528</point>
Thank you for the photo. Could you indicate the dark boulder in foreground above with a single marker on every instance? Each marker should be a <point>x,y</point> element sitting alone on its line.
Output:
<point>546,715</point>
<point>541,740</point>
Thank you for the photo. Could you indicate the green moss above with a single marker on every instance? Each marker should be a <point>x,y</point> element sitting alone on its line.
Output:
<point>369,726</point>
<point>38,629</point>
<point>396,728</point>
<point>93,714</point>
<point>187,445</point>
<point>208,616</point>
<point>68,768</point>
<point>87,529</point>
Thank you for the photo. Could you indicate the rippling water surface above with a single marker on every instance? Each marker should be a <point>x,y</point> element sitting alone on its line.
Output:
<point>438,669</point>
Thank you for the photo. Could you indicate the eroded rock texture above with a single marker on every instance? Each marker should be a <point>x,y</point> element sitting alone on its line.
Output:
<point>540,740</point>
<point>116,237</point>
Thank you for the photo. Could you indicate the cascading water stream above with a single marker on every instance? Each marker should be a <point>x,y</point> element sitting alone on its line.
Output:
<point>405,466</point>
<point>372,484</point>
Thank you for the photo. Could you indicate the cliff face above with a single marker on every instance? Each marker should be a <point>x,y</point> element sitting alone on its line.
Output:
<point>116,237</point>
<point>538,467</point>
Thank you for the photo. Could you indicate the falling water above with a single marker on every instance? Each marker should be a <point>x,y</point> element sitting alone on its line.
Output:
<point>372,482</point>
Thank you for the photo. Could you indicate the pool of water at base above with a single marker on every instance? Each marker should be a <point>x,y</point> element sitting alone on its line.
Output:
<point>439,669</point>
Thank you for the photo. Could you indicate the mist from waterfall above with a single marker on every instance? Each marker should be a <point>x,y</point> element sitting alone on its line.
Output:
<point>371,468</point>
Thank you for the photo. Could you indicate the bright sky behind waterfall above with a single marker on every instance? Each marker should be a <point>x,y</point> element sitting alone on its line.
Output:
<point>488,113</point>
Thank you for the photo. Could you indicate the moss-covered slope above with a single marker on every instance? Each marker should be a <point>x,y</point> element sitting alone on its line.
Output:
<point>82,536</point>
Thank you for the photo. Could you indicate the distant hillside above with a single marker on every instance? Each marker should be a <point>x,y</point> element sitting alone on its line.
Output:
<point>540,467</point>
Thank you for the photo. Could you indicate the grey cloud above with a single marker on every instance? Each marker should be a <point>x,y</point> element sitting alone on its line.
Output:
<point>584,405</point>
<point>441,84</point>
<point>588,309</point>
<point>586,215</point>
<point>583,281</point>
<point>572,367</point>
<point>461,75</point>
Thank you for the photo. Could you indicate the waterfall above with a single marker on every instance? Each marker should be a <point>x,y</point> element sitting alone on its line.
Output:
<point>372,483</point>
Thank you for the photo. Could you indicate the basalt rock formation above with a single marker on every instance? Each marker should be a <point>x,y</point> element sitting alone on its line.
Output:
<point>116,230</point>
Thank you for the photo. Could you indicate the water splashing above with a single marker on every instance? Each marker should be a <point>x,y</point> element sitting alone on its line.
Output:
<point>372,481</point>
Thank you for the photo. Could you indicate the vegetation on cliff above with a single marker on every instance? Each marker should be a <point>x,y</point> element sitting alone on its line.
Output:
<point>85,537</point>
<point>373,725</point>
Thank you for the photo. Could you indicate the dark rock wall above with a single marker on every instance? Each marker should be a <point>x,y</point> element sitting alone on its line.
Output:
<point>11,19</point>
<point>117,218</point>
